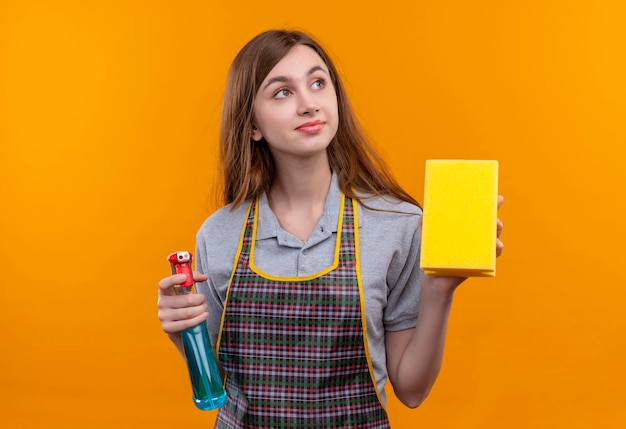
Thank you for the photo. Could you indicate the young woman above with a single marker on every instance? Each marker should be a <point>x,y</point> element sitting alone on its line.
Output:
<point>309,277</point>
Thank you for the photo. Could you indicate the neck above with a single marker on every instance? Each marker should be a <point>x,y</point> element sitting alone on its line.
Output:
<point>298,197</point>
<point>301,184</point>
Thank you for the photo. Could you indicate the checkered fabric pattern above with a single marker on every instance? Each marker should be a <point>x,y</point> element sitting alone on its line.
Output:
<point>293,350</point>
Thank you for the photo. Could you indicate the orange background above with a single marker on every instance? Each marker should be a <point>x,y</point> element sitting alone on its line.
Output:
<point>108,125</point>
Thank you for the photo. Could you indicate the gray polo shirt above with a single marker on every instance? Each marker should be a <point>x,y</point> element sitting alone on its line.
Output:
<point>389,256</point>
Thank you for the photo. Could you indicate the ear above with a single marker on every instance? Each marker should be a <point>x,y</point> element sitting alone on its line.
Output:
<point>257,135</point>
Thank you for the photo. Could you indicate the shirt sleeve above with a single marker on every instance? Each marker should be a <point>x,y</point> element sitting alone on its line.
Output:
<point>212,299</point>
<point>216,246</point>
<point>404,281</point>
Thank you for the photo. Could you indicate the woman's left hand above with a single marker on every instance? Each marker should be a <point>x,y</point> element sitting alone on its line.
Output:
<point>500,225</point>
<point>449,284</point>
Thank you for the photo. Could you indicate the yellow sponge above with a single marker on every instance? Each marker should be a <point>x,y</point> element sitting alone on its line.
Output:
<point>460,215</point>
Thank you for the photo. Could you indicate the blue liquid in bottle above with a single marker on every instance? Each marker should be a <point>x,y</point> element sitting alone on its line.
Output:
<point>206,383</point>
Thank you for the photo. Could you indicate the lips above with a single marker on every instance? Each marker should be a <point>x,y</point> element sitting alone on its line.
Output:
<point>311,127</point>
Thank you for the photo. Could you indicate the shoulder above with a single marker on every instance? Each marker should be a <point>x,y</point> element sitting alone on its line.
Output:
<point>386,223</point>
<point>388,209</point>
<point>223,223</point>
<point>217,241</point>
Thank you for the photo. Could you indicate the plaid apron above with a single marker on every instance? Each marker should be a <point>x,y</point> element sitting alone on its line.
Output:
<point>294,349</point>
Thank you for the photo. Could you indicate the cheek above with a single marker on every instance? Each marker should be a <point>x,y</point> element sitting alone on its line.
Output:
<point>261,119</point>
<point>268,115</point>
<point>334,108</point>
<point>268,123</point>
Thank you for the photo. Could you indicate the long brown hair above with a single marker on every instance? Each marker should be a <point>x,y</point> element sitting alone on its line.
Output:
<point>247,168</point>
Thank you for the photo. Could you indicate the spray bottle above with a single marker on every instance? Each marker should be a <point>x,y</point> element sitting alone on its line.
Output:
<point>206,383</point>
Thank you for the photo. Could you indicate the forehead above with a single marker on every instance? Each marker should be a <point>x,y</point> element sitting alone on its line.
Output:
<point>298,61</point>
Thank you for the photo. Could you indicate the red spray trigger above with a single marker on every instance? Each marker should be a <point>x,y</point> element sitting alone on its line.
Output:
<point>180,262</point>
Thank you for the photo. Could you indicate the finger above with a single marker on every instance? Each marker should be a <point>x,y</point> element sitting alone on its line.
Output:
<point>179,301</point>
<point>176,326</point>
<point>499,227</point>
<point>499,247</point>
<point>199,277</point>
<point>166,285</point>
<point>500,200</point>
<point>170,312</point>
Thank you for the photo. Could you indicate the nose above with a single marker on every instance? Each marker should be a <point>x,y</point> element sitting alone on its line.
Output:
<point>306,105</point>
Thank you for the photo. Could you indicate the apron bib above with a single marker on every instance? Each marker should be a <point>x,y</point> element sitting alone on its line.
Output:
<point>294,349</point>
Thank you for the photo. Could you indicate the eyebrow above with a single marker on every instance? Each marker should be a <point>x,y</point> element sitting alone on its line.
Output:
<point>286,79</point>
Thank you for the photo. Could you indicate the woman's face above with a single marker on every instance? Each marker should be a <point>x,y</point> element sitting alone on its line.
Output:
<point>295,110</point>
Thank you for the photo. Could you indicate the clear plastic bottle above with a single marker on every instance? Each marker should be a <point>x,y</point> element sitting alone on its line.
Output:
<point>206,382</point>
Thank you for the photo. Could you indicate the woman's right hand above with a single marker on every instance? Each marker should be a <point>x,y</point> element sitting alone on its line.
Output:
<point>180,312</point>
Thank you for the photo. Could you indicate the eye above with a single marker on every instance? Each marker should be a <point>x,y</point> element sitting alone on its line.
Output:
<point>318,84</point>
<point>282,93</point>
